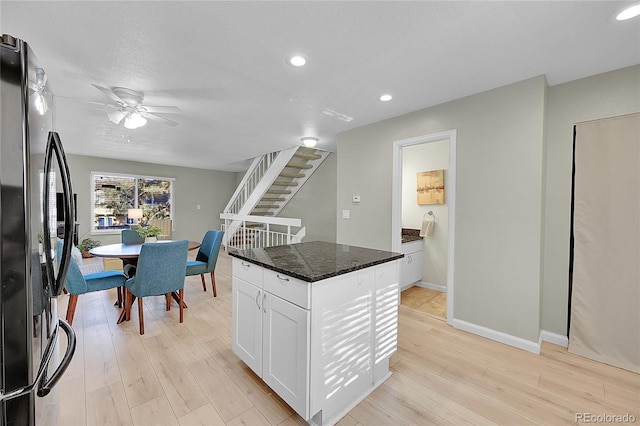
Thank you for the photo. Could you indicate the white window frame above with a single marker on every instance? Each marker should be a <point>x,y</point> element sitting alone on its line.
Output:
<point>94,231</point>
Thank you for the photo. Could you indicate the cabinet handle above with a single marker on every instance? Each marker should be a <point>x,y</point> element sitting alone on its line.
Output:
<point>264,298</point>
<point>410,258</point>
<point>246,265</point>
<point>282,279</point>
<point>258,300</point>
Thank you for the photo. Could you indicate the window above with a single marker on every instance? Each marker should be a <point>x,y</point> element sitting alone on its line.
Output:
<point>114,194</point>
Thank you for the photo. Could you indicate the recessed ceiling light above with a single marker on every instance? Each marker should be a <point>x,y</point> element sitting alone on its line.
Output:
<point>628,12</point>
<point>309,141</point>
<point>386,98</point>
<point>297,60</point>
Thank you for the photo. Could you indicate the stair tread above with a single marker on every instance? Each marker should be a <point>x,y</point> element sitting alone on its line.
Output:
<point>266,206</point>
<point>263,213</point>
<point>278,191</point>
<point>307,156</point>
<point>273,199</point>
<point>299,166</point>
<point>291,175</point>
<point>276,183</point>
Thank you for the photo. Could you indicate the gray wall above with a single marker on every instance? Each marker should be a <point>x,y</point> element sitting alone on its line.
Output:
<point>500,145</point>
<point>514,187</point>
<point>605,95</point>
<point>315,203</point>
<point>209,188</point>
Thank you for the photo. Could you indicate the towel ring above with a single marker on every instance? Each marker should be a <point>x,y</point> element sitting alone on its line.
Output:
<point>430,213</point>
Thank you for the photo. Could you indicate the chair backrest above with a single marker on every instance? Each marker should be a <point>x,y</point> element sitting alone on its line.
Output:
<point>131,236</point>
<point>75,282</point>
<point>161,268</point>
<point>210,248</point>
<point>165,225</point>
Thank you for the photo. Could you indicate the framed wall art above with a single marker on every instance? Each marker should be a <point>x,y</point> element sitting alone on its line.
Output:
<point>430,187</point>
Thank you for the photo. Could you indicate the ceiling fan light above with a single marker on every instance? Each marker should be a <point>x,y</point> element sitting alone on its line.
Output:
<point>138,119</point>
<point>116,116</point>
<point>134,120</point>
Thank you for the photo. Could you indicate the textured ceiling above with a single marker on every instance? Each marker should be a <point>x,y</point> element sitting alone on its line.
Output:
<point>223,64</point>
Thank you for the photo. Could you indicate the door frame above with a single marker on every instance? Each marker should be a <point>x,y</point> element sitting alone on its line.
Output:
<point>396,203</point>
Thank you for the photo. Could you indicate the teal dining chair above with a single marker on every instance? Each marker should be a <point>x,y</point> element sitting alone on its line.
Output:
<point>206,258</point>
<point>77,284</point>
<point>160,271</point>
<point>131,236</point>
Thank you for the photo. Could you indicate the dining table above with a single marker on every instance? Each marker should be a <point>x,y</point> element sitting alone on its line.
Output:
<point>129,254</point>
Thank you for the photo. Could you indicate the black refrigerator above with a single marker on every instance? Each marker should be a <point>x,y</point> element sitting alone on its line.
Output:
<point>36,346</point>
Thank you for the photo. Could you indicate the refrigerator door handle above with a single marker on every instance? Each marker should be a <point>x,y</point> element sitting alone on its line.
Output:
<point>45,385</point>
<point>44,364</point>
<point>54,146</point>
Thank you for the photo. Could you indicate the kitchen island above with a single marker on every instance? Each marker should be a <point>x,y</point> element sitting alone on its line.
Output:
<point>317,322</point>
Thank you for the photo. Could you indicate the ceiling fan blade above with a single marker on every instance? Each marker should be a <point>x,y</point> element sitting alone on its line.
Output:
<point>108,93</point>
<point>84,101</point>
<point>162,109</point>
<point>160,119</point>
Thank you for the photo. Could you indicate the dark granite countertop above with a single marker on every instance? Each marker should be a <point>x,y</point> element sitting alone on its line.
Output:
<point>315,260</point>
<point>409,235</point>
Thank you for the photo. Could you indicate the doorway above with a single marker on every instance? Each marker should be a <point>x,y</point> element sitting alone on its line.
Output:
<point>450,185</point>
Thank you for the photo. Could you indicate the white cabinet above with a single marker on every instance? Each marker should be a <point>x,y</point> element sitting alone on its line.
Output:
<point>385,318</point>
<point>247,323</point>
<point>285,351</point>
<point>321,346</point>
<point>271,335</point>
<point>411,264</point>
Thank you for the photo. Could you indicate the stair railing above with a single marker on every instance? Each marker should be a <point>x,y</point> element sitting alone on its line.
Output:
<point>247,237</point>
<point>251,178</point>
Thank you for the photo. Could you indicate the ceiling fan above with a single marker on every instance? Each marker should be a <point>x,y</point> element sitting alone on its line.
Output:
<point>132,110</point>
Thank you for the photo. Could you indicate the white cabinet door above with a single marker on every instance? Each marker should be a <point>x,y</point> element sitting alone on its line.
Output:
<point>341,341</point>
<point>247,323</point>
<point>285,358</point>
<point>385,318</point>
<point>411,269</point>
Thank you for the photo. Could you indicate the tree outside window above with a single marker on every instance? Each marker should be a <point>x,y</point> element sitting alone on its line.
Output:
<point>115,194</point>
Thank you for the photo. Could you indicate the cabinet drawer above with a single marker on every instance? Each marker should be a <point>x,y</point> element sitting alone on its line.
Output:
<point>249,272</point>
<point>288,288</point>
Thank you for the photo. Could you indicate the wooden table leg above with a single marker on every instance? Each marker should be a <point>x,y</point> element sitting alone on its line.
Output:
<point>123,315</point>
<point>176,297</point>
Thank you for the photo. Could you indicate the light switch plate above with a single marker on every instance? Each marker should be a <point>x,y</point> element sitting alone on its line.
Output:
<point>346,214</point>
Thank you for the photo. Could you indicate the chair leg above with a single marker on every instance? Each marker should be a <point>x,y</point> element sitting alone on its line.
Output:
<point>119,296</point>
<point>71,307</point>
<point>128,302</point>
<point>204,285</point>
<point>181,294</point>
<point>213,283</point>
<point>168,296</point>
<point>140,315</point>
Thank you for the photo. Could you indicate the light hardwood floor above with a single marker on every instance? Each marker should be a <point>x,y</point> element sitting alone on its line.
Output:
<point>187,374</point>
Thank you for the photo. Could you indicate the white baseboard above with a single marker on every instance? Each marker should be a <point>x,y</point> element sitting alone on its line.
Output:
<point>436,287</point>
<point>498,336</point>
<point>555,338</point>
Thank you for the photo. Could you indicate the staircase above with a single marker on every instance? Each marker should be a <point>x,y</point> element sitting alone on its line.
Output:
<point>268,185</point>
